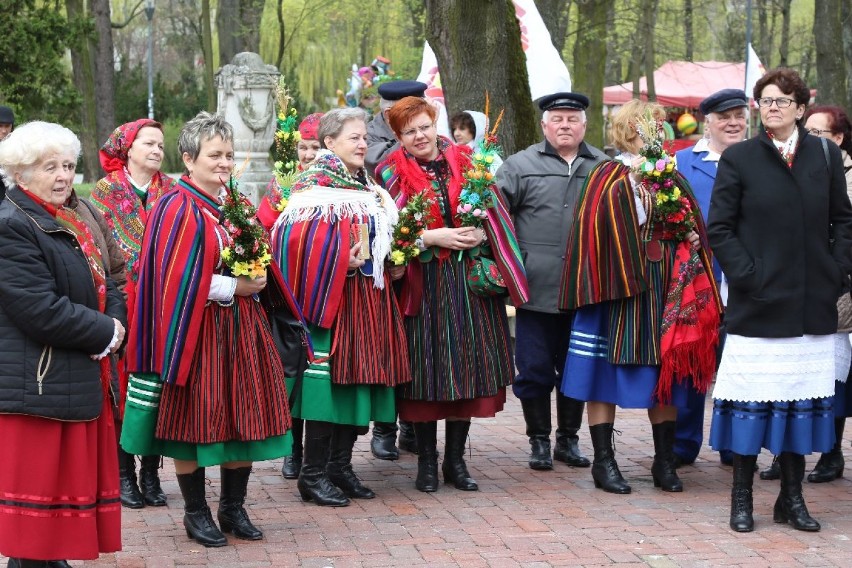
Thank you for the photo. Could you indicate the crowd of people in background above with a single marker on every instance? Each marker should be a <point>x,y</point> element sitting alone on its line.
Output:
<point>638,281</point>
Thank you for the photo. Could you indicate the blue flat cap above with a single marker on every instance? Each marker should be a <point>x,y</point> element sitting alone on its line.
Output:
<point>570,101</point>
<point>723,100</point>
<point>6,115</point>
<point>395,90</point>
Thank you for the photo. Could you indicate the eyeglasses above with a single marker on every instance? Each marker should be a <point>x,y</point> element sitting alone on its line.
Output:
<point>780,102</point>
<point>818,131</point>
<point>412,132</point>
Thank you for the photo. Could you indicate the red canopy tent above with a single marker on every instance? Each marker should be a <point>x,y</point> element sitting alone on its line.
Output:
<point>682,83</point>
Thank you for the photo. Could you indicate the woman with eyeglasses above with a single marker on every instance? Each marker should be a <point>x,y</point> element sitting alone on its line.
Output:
<point>458,341</point>
<point>780,224</point>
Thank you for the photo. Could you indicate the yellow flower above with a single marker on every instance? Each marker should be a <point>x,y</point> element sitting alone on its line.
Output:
<point>284,135</point>
<point>477,156</point>
<point>281,204</point>
<point>415,251</point>
<point>669,167</point>
<point>297,136</point>
<point>226,253</point>
<point>489,159</point>
<point>676,192</point>
<point>662,198</point>
<point>655,173</point>
<point>397,257</point>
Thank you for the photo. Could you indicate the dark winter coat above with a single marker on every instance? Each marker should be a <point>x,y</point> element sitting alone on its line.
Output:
<point>49,318</point>
<point>771,227</point>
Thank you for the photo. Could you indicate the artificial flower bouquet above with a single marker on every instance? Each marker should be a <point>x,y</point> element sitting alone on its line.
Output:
<point>247,251</point>
<point>414,218</point>
<point>287,137</point>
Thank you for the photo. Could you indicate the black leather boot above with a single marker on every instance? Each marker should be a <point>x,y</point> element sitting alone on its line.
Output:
<point>383,444</point>
<point>569,417</point>
<point>790,506</point>
<point>149,481</point>
<point>537,417</point>
<point>57,564</point>
<point>131,497</point>
<point>27,563</point>
<point>197,518</point>
<point>605,470</point>
<point>772,472</point>
<point>454,466</point>
<point>293,462</point>
<point>339,466</point>
<point>742,507</point>
<point>830,465</point>
<point>314,484</point>
<point>663,470</point>
<point>232,514</point>
<point>427,456</point>
<point>407,439</point>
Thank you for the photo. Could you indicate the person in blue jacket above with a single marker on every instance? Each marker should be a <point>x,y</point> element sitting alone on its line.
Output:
<point>725,118</point>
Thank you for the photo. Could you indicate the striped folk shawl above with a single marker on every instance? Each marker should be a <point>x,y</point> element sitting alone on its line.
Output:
<point>311,237</point>
<point>404,178</point>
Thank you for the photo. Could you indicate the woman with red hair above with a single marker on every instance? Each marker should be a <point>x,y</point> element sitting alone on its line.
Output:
<point>461,354</point>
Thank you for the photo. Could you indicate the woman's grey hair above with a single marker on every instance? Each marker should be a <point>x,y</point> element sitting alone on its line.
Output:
<point>332,123</point>
<point>30,143</point>
<point>204,126</point>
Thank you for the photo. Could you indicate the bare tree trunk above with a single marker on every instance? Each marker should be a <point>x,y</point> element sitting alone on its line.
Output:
<point>104,71</point>
<point>784,47</point>
<point>238,27</point>
<point>828,38</point>
<point>688,35</point>
<point>555,15</point>
<point>648,17</point>
<point>846,17</point>
<point>207,47</point>
<point>472,39</point>
<point>590,53</point>
<point>82,72</point>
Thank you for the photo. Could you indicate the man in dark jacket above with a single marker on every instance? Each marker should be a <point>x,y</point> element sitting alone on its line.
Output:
<point>541,185</point>
<point>7,125</point>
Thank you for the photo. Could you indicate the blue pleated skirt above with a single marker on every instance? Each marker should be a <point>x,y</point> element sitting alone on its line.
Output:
<point>589,376</point>
<point>801,426</point>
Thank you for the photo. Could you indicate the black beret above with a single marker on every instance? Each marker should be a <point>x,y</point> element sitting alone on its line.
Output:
<point>395,90</point>
<point>570,101</point>
<point>723,100</point>
<point>6,115</point>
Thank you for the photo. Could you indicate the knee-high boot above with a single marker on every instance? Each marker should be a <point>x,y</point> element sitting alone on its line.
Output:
<point>454,466</point>
<point>790,506</point>
<point>537,418</point>
<point>407,439</point>
<point>197,518</point>
<point>569,417</point>
<point>149,481</point>
<point>426,434</point>
<point>830,465</point>
<point>313,483</point>
<point>663,470</point>
<point>232,514</point>
<point>742,507</point>
<point>339,466</point>
<point>383,444</point>
<point>293,463</point>
<point>131,497</point>
<point>605,470</point>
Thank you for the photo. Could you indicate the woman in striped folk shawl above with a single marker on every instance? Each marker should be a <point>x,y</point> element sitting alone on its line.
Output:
<point>333,240</point>
<point>461,353</point>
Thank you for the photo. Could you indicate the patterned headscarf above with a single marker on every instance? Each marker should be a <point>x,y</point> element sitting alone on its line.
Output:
<point>113,154</point>
<point>309,126</point>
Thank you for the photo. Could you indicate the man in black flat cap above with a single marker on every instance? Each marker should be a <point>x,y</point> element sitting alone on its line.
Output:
<point>541,185</point>
<point>7,125</point>
<point>725,118</point>
<point>380,138</point>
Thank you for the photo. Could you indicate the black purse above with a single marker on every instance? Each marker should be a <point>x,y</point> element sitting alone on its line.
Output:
<point>291,340</point>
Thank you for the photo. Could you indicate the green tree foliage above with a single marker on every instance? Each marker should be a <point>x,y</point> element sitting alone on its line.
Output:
<point>34,78</point>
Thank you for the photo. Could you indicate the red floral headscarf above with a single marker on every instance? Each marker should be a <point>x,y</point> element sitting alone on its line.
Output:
<point>309,127</point>
<point>113,154</point>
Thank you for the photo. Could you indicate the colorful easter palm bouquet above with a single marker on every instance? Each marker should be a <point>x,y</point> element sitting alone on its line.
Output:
<point>287,137</point>
<point>247,251</point>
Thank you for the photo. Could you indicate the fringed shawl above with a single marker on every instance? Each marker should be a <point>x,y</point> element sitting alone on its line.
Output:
<point>124,212</point>
<point>311,238</point>
<point>403,177</point>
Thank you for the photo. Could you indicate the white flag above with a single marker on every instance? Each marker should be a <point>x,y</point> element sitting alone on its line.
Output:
<point>754,71</point>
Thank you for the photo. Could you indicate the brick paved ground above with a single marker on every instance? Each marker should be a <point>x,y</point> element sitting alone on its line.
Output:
<point>518,518</point>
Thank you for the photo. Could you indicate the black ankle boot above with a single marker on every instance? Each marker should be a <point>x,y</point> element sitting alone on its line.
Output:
<point>454,467</point>
<point>314,484</point>
<point>293,462</point>
<point>772,472</point>
<point>339,466</point>
<point>383,444</point>
<point>131,497</point>
<point>149,482</point>
<point>830,465</point>
<point>790,506</point>
<point>427,456</point>
<point>663,470</point>
<point>197,518</point>
<point>407,439</point>
<point>742,508</point>
<point>605,470</point>
<point>569,417</point>
<point>537,417</point>
<point>232,514</point>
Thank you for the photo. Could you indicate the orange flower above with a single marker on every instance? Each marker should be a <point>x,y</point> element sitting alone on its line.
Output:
<point>404,230</point>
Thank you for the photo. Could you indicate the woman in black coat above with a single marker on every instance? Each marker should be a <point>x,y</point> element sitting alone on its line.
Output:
<point>60,316</point>
<point>780,224</point>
